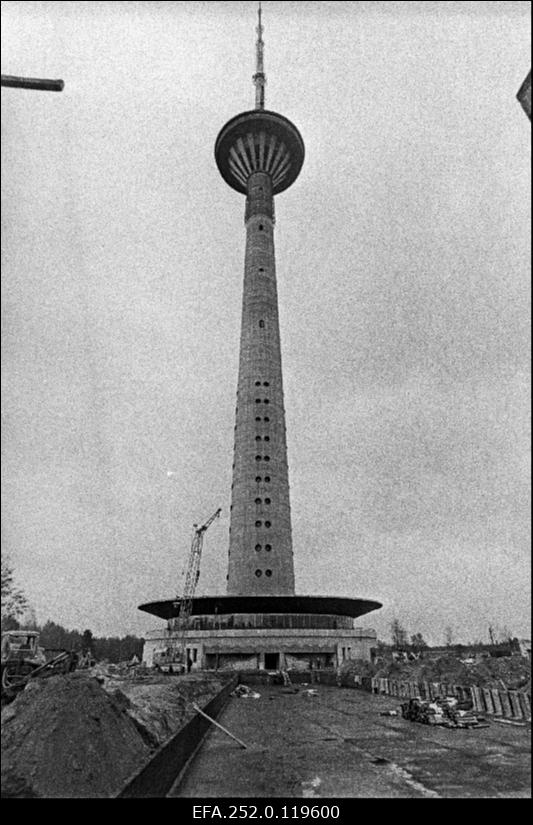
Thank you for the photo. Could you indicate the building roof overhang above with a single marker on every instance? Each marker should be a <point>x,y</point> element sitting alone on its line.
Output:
<point>223,605</point>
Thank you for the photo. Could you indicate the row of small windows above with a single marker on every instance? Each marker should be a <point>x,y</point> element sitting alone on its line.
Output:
<point>259,573</point>
<point>266,438</point>
<point>258,418</point>
<point>268,547</point>
<point>259,523</point>
<point>258,501</point>
<point>265,384</point>
<point>264,458</point>
<point>259,479</point>
<point>265,401</point>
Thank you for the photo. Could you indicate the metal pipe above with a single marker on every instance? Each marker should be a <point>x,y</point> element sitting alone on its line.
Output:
<point>42,84</point>
<point>197,709</point>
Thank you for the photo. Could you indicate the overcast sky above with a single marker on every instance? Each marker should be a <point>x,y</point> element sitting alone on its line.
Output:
<point>403,279</point>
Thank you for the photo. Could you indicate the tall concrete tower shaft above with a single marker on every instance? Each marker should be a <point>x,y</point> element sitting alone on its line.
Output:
<point>260,551</point>
<point>260,153</point>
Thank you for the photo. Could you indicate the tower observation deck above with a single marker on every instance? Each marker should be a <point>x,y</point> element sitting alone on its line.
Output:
<point>260,622</point>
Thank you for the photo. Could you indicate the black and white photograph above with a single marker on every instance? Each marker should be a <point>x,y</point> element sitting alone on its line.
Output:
<point>266,387</point>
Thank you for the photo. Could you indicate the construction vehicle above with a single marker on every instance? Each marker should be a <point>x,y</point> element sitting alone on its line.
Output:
<point>23,659</point>
<point>173,658</point>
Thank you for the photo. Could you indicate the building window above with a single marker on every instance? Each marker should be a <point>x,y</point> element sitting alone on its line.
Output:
<point>258,418</point>
<point>258,501</point>
<point>267,458</point>
<point>258,383</point>
<point>267,479</point>
<point>266,401</point>
<point>267,501</point>
<point>266,384</point>
<point>267,523</point>
<point>267,438</point>
<point>258,547</point>
<point>261,324</point>
<point>258,438</point>
<point>261,227</point>
<point>257,400</point>
<point>268,573</point>
<point>261,269</point>
<point>268,547</point>
<point>265,419</point>
<point>258,523</point>
<point>258,479</point>
<point>258,573</point>
<point>257,458</point>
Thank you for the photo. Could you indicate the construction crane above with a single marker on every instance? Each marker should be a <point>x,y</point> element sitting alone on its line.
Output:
<point>175,654</point>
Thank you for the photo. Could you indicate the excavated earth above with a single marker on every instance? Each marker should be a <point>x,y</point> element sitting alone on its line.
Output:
<point>82,736</point>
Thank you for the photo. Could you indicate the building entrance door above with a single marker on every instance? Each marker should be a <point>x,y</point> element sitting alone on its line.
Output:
<point>271,661</point>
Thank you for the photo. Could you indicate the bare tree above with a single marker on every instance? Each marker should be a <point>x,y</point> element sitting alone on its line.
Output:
<point>448,636</point>
<point>418,642</point>
<point>398,634</point>
<point>14,602</point>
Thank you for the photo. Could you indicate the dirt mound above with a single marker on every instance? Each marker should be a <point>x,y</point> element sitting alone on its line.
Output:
<point>67,737</point>
<point>509,672</point>
<point>160,705</point>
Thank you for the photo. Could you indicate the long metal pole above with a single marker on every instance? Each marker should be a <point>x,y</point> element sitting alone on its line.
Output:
<point>42,84</point>
<point>197,709</point>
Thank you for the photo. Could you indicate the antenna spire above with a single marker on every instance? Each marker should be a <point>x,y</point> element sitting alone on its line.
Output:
<point>259,76</point>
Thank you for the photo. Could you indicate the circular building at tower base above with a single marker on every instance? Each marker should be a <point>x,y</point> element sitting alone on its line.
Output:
<point>266,632</point>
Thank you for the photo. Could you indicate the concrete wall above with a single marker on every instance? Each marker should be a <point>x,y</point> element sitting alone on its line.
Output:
<point>302,648</point>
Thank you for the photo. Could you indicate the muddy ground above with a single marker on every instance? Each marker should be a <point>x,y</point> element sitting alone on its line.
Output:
<point>79,736</point>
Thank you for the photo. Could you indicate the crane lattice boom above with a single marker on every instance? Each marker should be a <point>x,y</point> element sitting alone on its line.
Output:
<point>193,571</point>
<point>180,624</point>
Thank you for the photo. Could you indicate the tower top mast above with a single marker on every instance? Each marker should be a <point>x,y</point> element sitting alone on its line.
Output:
<point>259,76</point>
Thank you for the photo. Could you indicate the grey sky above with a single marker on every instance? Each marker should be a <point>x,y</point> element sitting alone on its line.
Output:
<point>403,278</point>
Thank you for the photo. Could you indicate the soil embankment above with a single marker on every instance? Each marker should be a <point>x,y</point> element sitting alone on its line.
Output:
<point>80,736</point>
<point>509,672</point>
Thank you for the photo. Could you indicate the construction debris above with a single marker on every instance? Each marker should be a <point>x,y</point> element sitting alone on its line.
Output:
<point>447,712</point>
<point>245,692</point>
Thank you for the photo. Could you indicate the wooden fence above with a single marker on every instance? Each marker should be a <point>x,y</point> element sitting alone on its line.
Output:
<point>509,704</point>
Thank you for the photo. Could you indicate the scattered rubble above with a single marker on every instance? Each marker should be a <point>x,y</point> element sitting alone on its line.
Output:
<point>245,692</point>
<point>447,712</point>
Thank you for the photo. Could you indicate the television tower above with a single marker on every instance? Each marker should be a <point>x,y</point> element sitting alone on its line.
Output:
<point>259,153</point>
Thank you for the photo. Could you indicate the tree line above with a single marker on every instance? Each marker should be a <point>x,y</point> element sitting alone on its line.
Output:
<point>16,613</point>
<point>54,637</point>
